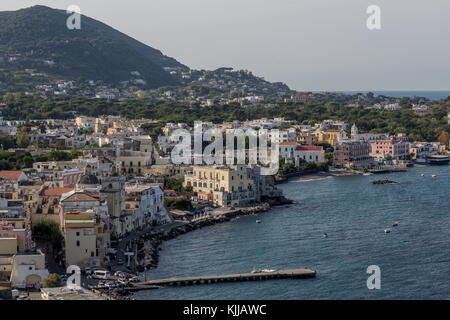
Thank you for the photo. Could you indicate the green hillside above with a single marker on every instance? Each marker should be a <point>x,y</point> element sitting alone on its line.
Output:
<point>37,38</point>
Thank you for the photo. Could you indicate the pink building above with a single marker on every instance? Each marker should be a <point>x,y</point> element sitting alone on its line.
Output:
<point>70,177</point>
<point>8,229</point>
<point>394,147</point>
<point>352,154</point>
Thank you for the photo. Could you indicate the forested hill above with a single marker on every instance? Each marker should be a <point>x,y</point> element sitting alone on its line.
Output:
<point>37,38</point>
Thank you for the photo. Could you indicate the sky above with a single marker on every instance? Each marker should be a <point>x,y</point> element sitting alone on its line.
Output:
<point>307,44</point>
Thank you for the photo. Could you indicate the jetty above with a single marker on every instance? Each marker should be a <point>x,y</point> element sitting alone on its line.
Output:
<point>188,281</point>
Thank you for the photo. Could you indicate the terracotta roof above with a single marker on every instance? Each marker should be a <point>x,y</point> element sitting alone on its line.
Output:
<point>308,148</point>
<point>288,143</point>
<point>10,175</point>
<point>56,192</point>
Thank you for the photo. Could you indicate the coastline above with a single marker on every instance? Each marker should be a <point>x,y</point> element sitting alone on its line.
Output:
<point>148,245</point>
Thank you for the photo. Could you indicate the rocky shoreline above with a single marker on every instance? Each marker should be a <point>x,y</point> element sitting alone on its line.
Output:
<point>148,245</point>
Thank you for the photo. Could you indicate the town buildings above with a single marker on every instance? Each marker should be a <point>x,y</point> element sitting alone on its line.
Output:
<point>225,186</point>
<point>353,154</point>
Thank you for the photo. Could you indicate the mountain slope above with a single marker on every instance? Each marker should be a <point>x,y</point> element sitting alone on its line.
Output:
<point>40,39</point>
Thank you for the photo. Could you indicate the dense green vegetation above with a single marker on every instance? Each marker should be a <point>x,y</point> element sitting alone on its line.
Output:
<point>419,128</point>
<point>22,160</point>
<point>49,230</point>
<point>52,281</point>
<point>178,203</point>
<point>171,183</point>
<point>98,52</point>
<point>288,168</point>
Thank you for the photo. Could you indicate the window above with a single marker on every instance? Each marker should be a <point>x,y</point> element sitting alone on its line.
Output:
<point>78,243</point>
<point>78,234</point>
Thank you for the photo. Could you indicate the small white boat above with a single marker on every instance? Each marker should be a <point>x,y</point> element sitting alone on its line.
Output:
<point>255,270</point>
<point>422,175</point>
<point>395,224</point>
<point>325,235</point>
<point>267,269</point>
<point>367,174</point>
<point>387,230</point>
<point>258,221</point>
<point>433,176</point>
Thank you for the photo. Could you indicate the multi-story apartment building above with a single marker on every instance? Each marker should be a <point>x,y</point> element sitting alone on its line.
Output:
<point>85,224</point>
<point>146,204</point>
<point>331,136</point>
<point>309,153</point>
<point>353,154</point>
<point>225,186</point>
<point>396,148</point>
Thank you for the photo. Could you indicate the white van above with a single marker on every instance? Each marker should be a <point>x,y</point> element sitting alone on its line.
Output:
<point>101,274</point>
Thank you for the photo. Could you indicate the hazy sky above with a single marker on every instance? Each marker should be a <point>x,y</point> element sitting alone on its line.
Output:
<point>308,44</point>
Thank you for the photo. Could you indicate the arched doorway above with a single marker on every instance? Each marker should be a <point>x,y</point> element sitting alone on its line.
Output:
<point>32,280</point>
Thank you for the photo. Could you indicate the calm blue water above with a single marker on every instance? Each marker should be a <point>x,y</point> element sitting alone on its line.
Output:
<point>414,258</point>
<point>432,95</point>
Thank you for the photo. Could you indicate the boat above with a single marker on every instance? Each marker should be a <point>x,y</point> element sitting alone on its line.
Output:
<point>258,221</point>
<point>433,176</point>
<point>395,224</point>
<point>325,235</point>
<point>422,175</point>
<point>387,230</point>
<point>367,174</point>
<point>255,270</point>
<point>268,270</point>
<point>438,159</point>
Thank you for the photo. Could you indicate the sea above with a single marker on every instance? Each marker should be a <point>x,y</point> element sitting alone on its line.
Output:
<point>431,95</point>
<point>413,259</point>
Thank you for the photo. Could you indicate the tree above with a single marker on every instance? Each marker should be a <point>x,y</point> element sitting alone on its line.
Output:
<point>52,281</point>
<point>444,137</point>
<point>49,230</point>
<point>23,140</point>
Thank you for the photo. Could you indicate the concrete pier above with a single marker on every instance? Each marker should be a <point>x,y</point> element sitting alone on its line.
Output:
<point>188,281</point>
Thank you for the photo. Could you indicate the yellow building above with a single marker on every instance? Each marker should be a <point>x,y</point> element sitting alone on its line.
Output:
<point>225,186</point>
<point>134,162</point>
<point>332,137</point>
<point>307,139</point>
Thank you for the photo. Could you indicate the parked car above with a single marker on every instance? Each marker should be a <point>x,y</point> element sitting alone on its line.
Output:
<point>101,274</point>
<point>87,271</point>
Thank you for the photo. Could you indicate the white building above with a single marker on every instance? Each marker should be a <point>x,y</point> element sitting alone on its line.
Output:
<point>28,270</point>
